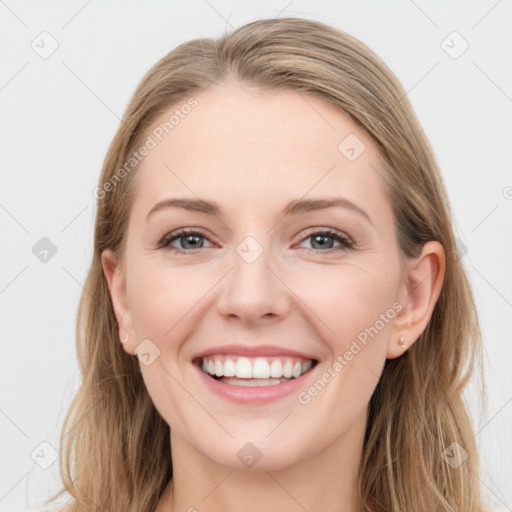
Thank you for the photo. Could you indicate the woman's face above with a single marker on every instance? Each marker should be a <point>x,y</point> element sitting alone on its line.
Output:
<point>257,272</point>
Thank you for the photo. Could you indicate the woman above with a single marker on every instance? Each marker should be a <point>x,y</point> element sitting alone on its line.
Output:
<point>275,315</point>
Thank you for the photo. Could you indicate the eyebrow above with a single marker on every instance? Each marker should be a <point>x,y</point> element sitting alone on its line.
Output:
<point>292,208</point>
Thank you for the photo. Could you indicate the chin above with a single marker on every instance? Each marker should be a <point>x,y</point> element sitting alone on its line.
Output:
<point>258,454</point>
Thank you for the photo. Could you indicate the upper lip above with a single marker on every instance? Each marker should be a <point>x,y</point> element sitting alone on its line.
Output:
<point>253,351</point>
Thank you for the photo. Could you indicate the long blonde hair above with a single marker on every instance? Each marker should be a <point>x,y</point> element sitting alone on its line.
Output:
<point>115,448</point>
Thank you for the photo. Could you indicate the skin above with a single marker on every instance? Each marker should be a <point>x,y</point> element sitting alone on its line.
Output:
<point>253,152</point>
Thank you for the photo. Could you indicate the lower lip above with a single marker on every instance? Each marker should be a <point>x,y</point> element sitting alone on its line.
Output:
<point>255,395</point>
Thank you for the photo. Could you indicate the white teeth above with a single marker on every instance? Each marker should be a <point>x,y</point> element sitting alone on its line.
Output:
<point>229,368</point>
<point>305,366</point>
<point>243,368</point>
<point>253,382</point>
<point>288,369</point>
<point>276,369</point>
<point>258,368</point>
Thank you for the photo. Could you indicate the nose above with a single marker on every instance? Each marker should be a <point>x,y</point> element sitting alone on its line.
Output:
<point>253,291</point>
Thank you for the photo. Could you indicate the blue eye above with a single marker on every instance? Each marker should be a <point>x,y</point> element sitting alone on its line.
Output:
<point>320,237</point>
<point>191,241</point>
<point>190,238</point>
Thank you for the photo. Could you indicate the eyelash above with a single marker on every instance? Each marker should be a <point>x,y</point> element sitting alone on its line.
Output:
<point>346,243</point>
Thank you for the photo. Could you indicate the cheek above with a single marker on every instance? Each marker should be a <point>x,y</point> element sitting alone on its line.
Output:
<point>162,305</point>
<point>355,313</point>
<point>347,299</point>
<point>161,297</point>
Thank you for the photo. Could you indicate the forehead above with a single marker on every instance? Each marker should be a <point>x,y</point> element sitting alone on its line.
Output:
<point>238,143</point>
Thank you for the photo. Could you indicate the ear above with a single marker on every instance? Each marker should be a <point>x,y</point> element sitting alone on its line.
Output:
<point>116,280</point>
<point>419,291</point>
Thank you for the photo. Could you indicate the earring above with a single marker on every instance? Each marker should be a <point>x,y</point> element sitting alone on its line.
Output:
<point>125,340</point>
<point>401,342</point>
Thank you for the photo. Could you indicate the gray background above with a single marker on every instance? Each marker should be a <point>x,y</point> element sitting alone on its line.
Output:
<point>59,113</point>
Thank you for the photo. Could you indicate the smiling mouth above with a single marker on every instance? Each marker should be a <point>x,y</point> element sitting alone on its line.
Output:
<point>253,372</point>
